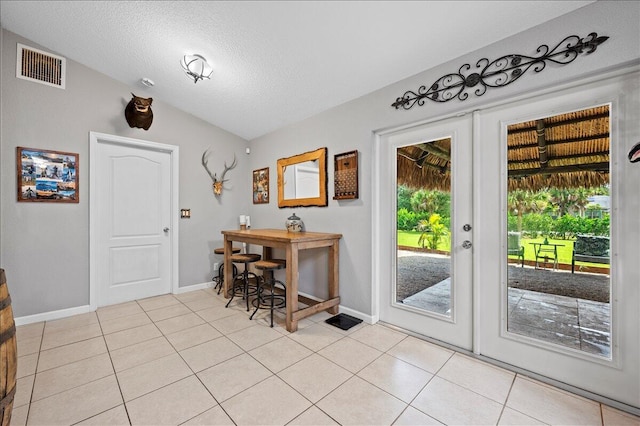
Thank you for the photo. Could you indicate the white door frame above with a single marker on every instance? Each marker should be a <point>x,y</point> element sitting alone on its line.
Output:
<point>94,225</point>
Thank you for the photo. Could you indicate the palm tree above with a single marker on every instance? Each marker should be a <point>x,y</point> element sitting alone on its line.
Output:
<point>569,199</point>
<point>581,200</point>
<point>428,201</point>
<point>561,198</point>
<point>432,231</point>
<point>521,201</point>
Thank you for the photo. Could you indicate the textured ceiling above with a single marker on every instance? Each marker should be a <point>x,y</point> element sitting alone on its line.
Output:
<point>275,63</point>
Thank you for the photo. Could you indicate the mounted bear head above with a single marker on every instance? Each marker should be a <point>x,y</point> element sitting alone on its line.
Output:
<point>138,112</point>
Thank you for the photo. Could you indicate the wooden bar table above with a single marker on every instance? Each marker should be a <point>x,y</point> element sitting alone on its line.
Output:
<point>292,243</point>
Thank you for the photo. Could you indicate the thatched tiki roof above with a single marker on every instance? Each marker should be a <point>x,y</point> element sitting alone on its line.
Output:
<point>564,151</point>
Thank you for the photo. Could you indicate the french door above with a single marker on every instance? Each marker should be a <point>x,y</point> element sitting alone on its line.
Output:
<point>442,309</point>
<point>559,339</point>
<point>481,290</point>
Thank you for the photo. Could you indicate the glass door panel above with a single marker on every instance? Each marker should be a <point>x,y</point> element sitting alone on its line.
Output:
<point>558,233</point>
<point>423,261</point>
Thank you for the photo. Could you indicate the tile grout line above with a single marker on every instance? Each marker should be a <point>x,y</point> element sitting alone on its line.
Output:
<point>276,374</point>
<point>504,406</point>
<point>114,374</point>
<point>194,373</point>
<point>35,374</point>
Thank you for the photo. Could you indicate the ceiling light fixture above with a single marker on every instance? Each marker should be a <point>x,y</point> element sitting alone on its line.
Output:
<point>147,82</point>
<point>196,67</point>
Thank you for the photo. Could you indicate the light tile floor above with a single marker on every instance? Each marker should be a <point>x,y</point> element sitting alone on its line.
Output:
<point>186,359</point>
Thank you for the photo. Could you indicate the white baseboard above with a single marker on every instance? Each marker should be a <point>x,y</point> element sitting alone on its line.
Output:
<point>63,313</point>
<point>342,309</point>
<point>194,287</point>
<point>53,315</point>
<point>364,317</point>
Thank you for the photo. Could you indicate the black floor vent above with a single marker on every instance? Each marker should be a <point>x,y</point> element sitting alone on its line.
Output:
<point>343,321</point>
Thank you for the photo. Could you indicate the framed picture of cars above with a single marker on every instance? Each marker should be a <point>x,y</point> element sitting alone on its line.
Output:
<point>47,176</point>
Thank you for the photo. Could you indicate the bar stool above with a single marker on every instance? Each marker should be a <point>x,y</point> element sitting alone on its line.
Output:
<point>241,284</point>
<point>219,280</point>
<point>267,297</point>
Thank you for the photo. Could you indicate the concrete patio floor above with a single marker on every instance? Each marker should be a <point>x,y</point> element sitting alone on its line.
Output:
<point>576,323</point>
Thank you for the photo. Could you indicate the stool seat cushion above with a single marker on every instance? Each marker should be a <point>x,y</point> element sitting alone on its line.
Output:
<point>245,257</point>
<point>221,250</point>
<point>271,264</point>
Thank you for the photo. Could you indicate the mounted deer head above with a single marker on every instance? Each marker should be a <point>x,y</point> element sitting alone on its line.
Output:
<point>217,183</point>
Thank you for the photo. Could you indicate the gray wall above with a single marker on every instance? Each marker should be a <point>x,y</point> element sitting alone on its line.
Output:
<point>45,246</point>
<point>351,126</point>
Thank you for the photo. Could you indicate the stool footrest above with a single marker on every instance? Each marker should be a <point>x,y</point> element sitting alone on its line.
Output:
<point>220,250</point>
<point>270,296</point>
<point>242,286</point>
<point>265,303</point>
<point>270,264</point>
<point>245,257</point>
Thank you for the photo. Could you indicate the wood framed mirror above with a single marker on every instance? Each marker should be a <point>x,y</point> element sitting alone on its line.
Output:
<point>302,180</point>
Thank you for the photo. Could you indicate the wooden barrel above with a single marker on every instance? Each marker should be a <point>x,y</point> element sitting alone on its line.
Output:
<point>8,353</point>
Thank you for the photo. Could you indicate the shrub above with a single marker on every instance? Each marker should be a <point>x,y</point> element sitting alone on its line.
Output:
<point>537,223</point>
<point>404,197</point>
<point>569,226</point>
<point>407,220</point>
<point>566,226</point>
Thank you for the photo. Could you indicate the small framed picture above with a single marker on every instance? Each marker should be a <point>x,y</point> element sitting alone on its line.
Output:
<point>261,186</point>
<point>47,176</point>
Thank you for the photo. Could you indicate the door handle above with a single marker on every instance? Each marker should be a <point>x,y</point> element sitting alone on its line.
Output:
<point>166,229</point>
<point>466,244</point>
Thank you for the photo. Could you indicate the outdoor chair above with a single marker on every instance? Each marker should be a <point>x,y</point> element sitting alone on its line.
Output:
<point>514,248</point>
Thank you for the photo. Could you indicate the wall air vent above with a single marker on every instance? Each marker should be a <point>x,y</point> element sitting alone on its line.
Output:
<point>40,67</point>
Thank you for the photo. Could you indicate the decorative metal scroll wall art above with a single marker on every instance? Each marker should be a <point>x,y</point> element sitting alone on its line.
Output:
<point>499,73</point>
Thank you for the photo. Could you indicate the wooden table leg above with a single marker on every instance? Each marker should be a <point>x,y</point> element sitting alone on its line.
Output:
<point>267,253</point>
<point>228,267</point>
<point>334,275</point>
<point>292,286</point>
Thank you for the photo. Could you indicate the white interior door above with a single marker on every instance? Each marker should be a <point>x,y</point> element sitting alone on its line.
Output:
<point>444,309</point>
<point>615,374</point>
<point>132,228</point>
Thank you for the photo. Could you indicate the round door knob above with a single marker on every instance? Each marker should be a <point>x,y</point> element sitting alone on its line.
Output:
<point>166,229</point>
<point>466,227</point>
<point>466,244</point>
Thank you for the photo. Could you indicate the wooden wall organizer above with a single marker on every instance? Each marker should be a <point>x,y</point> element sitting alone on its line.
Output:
<point>345,176</point>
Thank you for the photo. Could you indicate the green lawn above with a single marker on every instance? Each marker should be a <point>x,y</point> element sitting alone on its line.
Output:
<point>410,239</point>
